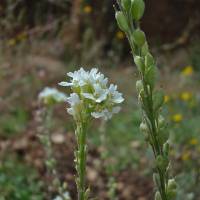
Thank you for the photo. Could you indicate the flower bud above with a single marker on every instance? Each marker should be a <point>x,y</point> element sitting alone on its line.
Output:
<point>161,121</point>
<point>149,60</point>
<point>158,99</point>
<point>144,128</point>
<point>126,4</point>
<point>139,63</point>
<point>166,148</point>
<point>151,75</point>
<point>138,37</point>
<point>139,86</point>
<point>172,185</point>
<point>145,49</point>
<point>121,20</point>
<point>157,196</point>
<point>171,194</point>
<point>137,9</point>
<point>162,162</point>
<point>156,179</point>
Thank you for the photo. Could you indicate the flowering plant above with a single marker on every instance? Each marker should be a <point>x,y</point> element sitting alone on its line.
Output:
<point>50,96</point>
<point>151,100</point>
<point>91,97</point>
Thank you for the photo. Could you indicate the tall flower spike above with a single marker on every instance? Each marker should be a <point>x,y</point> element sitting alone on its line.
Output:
<point>91,97</point>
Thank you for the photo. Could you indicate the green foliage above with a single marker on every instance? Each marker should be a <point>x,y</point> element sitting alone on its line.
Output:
<point>13,122</point>
<point>19,182</point>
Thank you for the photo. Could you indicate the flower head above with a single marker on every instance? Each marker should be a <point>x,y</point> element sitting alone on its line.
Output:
<point>120,35</point>
<point>87,9</point>
<point>188,71</point>
<point>186,96</point>
<point>177,118</point>
<point>91,95</point>
<point>51,95</point>
<point>166,98</point>
<point>194,141</point>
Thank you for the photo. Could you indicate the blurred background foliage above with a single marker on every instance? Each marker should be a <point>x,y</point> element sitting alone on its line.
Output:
<point>41,40</point>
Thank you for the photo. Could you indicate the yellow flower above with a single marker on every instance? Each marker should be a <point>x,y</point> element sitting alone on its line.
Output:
<point>166,98</point>
<point>193,141</point>
<point>120,35</point>
<point>186,155</point>
<point>12,42</point>
<point>22,36</point>
<point>87,9</point>
<point>188,70</point>
<point>186,96</point>
<point>177,118</point>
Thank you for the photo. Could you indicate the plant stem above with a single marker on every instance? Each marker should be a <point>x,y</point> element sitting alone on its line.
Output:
<point>128,21</point>
<point>81,133</point>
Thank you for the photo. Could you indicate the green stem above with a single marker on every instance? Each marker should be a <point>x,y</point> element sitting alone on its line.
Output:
<point>81,159</point>
<point>157,149</point>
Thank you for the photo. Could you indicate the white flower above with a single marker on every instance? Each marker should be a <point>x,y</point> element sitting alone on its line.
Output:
<point>51,95</point>
<point>106,114</point>
<point>65,197</point>
<point>115,95</point>
<point>75,104</point>
<point>98,95</point>
<point>91,93</point>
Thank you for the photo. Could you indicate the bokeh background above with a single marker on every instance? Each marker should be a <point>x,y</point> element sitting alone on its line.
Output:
<point>42,40</point>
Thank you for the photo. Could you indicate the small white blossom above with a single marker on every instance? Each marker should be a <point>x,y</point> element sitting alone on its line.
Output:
<point>106,114</point>
<point>51,95</point>
<point>90,92</point>
<point>75,103</point>
<point>65,197</point>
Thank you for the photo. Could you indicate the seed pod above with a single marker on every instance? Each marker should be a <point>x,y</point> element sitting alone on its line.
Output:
<point>158,99</point>
<point>137,9</point>
<point>126,4</point>
<point>121,21</point>
<point>139,86</point>
<point>145,49</point>
<point>139,61</point>
<point>139,37</point>
<point>166,149</point>
<point>156,179</point>
<point>161,121</point>
<point>171,194</point>
<point>149,60</point>
<point>162,162</point>
<point>150,75</point>
<point>172,185</point>
<point>157,196</point>
<point>144,128</point>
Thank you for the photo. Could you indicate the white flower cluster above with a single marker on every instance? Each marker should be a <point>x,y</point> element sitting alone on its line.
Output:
<point>91,94</point>
<point>51,95</point>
